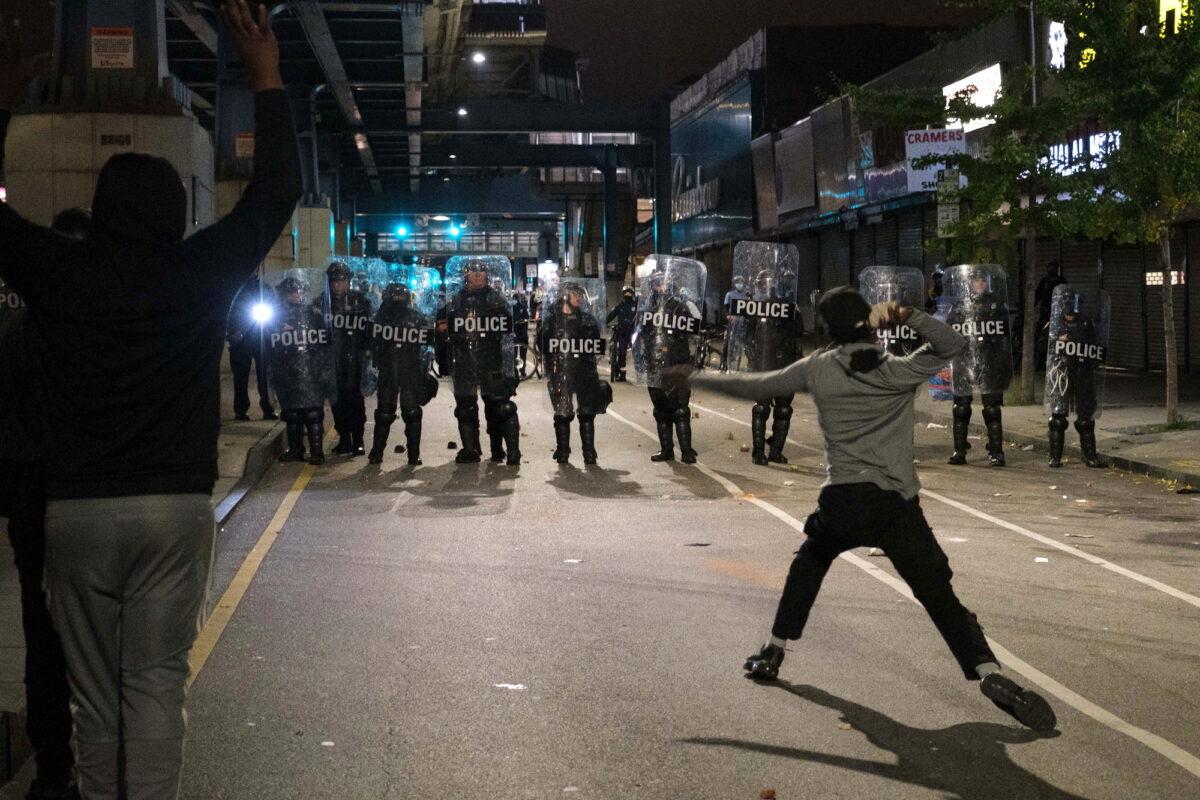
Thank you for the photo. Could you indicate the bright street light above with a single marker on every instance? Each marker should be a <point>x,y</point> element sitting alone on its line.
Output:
<point>478,57</point>
<point>261,313</point>
<point>462,111</point>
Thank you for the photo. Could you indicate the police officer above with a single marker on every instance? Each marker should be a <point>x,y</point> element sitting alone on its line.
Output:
<point>478,323</point>
<point>625,314</point>
<point>732,322</point>
<point>1078,338</point>
<point>402,352</point>
<point>245,336</point>
<point>571,342</point>
<point>981,314</point>
<point>771,343</point>
<point>521,329</point>
<point>664,346</point>
<point>301,366</point>
<point>349,317</point>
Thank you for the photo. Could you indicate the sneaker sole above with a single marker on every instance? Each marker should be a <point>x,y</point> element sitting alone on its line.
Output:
<point>1026,707</point>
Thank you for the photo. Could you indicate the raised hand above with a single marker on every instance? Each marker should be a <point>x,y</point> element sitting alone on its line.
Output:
<point>255,41</point>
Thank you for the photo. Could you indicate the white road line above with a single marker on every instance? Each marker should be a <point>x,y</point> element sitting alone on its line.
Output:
<point>1153,741</point>
<point>1145,580</point>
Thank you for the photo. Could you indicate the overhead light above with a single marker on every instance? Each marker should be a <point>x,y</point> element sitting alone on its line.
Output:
<point>440,218</point>
<point>453,156</point>
<point>478,57</point>
<point>402,231</point>
<point>455,231</point>
<point>446,180</point>
<point>261,313</point>
<point>462,111</point>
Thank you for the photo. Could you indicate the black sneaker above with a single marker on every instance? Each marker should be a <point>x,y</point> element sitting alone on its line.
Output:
<point>1026,707</point>
<point>996,459</point>
<point>764,665</point>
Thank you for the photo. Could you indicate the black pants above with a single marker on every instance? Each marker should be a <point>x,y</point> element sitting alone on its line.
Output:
<point>620,349</point>
<point>350,412</point>
<point>670,404</point>
<point>240,356</point>
<point>864,515</point>
<point>47,696</point>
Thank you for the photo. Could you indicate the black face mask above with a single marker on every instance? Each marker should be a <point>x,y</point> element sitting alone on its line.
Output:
<point>139,202</point>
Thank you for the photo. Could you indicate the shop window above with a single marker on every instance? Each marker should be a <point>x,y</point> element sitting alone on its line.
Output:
<point>1178,278</point>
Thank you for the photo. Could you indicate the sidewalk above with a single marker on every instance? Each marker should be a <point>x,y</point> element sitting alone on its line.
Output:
<point>1133,403</point>
<point>245,450</point>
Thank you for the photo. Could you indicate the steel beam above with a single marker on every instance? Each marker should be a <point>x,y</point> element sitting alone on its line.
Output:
<point>316,29</point>
<point>187,13</point>
<point>489,115</point>
<point>508,195</point>
<point>470,155</point>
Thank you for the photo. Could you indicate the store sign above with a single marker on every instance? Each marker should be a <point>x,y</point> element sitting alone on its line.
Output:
<point>926,143</point>
<point>702,198</point>
<point>243,145</point>
<point>112,48</point>
<point>984,87</point>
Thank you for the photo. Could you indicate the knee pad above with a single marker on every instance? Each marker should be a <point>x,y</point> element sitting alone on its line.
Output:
<point>566,419</point>
<point>992,413</point>
<point>291,416</point>
<point>312,415</point>
<point>506,409</point>
<point>412,414</point>
<point>761,409</point>
<point>962,408</point>
<point>1082,425</point>
<point>992,399</point>
<point>587,418</point>
<point>683,413</point>
<point>466,410</point>
<point>1058,423</point>
<point>383,417</point>
<point>783,412</point>
<point>662,414</point>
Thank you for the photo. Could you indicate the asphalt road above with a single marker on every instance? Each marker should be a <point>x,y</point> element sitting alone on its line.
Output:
<point>570,632</point>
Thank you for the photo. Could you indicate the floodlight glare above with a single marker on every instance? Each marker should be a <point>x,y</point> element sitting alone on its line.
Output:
<point>261,313</point>
<point>462,111</point>
<point>478,57</point>
<point>402,231</point>
<point>455,231</point>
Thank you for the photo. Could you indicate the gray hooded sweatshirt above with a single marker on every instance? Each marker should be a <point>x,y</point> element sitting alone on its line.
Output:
<point>866,417</point>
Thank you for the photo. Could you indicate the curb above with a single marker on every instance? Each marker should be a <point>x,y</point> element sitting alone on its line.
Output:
<point>1040,445</point>
<point>15,749</point>
<point>259,459</point>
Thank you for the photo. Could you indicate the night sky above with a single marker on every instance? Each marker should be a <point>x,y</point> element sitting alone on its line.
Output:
<point>639,48</point>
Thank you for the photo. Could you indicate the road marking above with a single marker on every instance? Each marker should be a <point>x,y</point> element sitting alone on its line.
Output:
<point>1153,741</point>
<point>1145,580</point>
<point>210,634</point>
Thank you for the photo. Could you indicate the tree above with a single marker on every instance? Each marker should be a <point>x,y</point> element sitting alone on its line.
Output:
<point>1135,69</point>
<point>1019,159</point>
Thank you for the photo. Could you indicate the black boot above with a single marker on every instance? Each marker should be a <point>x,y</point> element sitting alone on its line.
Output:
<point>962,423</point>
<point>995,433</point>
<point>344,447</point>
<point>497,442</point>
<point>1057,433</point>
<point>562,439</point>
<point>764,665</point>
<point>683,430</point>
<point>316,436</point>
<point>383,427</point>
<point>587,437</point>
<point>779,432</point>
<point>510,429</point>
<point>758,433</point>
<point>666,444</point>
<point>356,441</point>
<point>295,442</point>
<point>470,451</point>
<point>1086,428</point>
<point>412,434</point>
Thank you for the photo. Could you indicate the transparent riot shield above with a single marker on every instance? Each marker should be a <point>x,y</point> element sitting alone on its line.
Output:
<point>478,321</point>
<point>571,340</point>
<point>1080,321</point>
<point>767,326</point>
<point>402,338</point>
<point>298,341</point>
<point>669,317</point>
<point>903,285</point>
<point>979,311</point>
<point>348,311</point>
<point>10,305</point>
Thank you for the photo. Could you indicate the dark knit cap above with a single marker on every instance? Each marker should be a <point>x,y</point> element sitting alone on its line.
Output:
<point>846,314</point>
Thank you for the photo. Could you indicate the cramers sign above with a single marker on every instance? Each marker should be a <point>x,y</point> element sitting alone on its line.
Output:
<point>933,142</point>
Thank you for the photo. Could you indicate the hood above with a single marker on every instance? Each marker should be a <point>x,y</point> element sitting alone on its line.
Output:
<point>139,202</point>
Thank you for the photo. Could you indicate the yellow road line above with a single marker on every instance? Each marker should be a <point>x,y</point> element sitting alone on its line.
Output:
<point>210,634</point>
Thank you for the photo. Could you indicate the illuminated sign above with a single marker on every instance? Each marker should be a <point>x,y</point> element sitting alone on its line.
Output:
<point>984,87</point>
<point>1056,39</point>
<point>1069,158</point>
<point>1170,15</point>
<point>923,144</point>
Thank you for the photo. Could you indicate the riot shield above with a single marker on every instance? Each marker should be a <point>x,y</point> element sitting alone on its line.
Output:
<point>478,320</point>
<point>668,318</point>
<point>1078,347</point>
<point>348,311</point>
<point>402,338</point>
<point>979,311</point>
<point>767,322</point>
<point>571,339</point>
<point>903,285</point>
<point>10,305</point>
<point>299,344</point>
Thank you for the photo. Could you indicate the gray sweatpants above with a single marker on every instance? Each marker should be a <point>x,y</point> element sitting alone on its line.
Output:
<point>126,579</point>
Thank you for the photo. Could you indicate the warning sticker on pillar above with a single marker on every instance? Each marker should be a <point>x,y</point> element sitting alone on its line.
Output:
<point>112,48</point>
<point>243,145</point>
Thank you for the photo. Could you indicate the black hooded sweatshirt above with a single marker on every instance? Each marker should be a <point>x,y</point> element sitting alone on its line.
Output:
<point>124,335</point>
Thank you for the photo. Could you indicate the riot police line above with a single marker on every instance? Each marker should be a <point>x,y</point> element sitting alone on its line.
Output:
<point>365,318</point>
